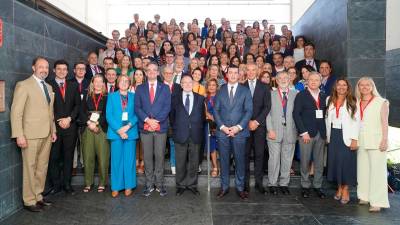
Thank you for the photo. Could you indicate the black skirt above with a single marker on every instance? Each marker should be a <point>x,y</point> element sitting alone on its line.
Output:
<point>342,162</point>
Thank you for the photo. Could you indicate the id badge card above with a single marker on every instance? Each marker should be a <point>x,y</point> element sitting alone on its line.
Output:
<point>125,116</point>
<point>283,120</point>
<point>337,124</point>
<point>81,97</point>
<point>94,117</point>
<point>319,114</point>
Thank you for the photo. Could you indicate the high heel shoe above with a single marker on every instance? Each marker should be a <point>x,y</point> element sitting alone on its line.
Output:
<point>337,198</point>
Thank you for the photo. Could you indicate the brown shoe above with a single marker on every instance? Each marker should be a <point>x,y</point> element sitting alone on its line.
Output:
<point>222,193</point>
<point>128,192</point>
<point>114,194</point>
<point>33,208</point>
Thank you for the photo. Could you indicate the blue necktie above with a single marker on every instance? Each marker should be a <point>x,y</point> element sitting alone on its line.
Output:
<point>187,104</point>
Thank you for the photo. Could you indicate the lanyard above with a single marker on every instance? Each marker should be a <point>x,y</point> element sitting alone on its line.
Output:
<point>316,101</point>
<point>280,96</point>
<point>124,102</point>
<point>97,102</point>
<point>362,110</point>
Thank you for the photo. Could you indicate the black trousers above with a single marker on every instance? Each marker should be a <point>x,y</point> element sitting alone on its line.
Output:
<point>256,143</point>
<point>187,164</point>
<point>61,159</point>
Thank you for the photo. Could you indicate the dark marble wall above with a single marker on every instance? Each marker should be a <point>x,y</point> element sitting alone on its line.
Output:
<point>325,24</point>
<point>392,78</point>
<point>28,33</point>
<point>352,34</point>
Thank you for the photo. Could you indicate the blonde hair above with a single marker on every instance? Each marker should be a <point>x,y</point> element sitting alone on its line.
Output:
<point>371,81</point>
<point>91,86</point>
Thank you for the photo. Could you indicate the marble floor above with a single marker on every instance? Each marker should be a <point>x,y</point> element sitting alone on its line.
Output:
<point>100,208</point>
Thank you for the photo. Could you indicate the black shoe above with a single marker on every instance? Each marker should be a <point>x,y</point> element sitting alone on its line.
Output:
<point>194,190</point>
<point>222,193</point>
<point>52,191</point>
<point>44,203</point>
<point>273,190</point>
<point>162,191</point>
<point>69,190</point>
<point>243,195</point>
<point>260,188</point>
<point>33,208</point>
<point>285,190</point>
<point>320,193</point>
<point>305,192</point>
<point>179,191</point>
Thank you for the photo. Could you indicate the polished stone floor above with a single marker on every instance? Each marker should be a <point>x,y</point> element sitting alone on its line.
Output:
<point>95,209</point>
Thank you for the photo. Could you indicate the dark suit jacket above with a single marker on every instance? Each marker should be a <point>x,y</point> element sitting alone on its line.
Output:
<point>89,74</point>
<point>70,107</point>
<point>83,88</point>
<point>303,62</point>
<point>261,102</point>
<point>185,126</point>
<point>327,88</point>
<point>304,114</point>
<point>88,105</point>
<point>160,108</point>
<point>239,113</point>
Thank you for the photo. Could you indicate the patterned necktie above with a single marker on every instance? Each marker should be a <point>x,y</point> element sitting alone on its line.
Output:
<point>187,103</point>
<point>284,104</point>
<point>231,96</point>
<point>46,92</point>
<point>252,87</point>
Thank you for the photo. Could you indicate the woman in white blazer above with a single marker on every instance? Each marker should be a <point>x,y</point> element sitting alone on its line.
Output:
<point>342,127</point>
<point>373,140</point>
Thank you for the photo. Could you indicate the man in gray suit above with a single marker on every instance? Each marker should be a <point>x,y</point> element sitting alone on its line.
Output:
<point>281,135</point>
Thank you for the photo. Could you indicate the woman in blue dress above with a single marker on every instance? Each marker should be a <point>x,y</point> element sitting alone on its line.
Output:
<point>212,87</point>
<point>122,133</point>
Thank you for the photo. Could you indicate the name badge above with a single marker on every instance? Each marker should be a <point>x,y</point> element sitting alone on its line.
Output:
<point>283,120</point>
<point>94,117</point>
<point>125,116</point>
<point>319,114</point>
<point>81,96</point>
<point>337,124</point>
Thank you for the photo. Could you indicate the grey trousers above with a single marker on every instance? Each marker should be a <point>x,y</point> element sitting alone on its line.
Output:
<point>315,148</point>
<point>154,150</point>
<point>279,162</point>
<point>187,164</point>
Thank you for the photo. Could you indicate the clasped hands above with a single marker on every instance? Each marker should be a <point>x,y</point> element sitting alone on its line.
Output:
<point>231,131</point>
<point>93,126</point>
<point>122,131</point>
<point>64,123</point>
<point>153,124</point>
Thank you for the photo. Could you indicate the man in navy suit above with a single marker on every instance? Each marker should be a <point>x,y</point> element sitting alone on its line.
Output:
<point>187,120</point>
<point>232,112</point>
<point>309,58</point>
<point>328,79</point>
<point>152,106</point>
<point>308,114</point>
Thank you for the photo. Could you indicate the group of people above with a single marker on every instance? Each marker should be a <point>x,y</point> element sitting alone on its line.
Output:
<point>255,94</point>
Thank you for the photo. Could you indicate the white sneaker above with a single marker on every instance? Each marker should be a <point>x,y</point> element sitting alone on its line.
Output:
<point>173,170</point>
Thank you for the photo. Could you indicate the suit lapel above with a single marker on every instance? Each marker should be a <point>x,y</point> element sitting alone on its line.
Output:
<point>38,90</point>
<point>158,90</point>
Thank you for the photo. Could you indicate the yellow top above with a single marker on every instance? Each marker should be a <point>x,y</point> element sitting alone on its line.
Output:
<point>371,125</point>
<point>199,89</point>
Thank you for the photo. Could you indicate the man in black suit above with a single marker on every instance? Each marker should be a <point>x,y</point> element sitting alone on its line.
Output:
<point>308,114</point>
<point>66,111</point>
<point>111,80</point>
<point>83,85</point>
<point>309,54</point>
<point>93,67</point>
<point>261,106</point>
<point>187,118</point>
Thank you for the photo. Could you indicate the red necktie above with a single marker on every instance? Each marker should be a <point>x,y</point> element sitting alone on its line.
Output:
<point>241,50</point>
<point>151,93</point>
